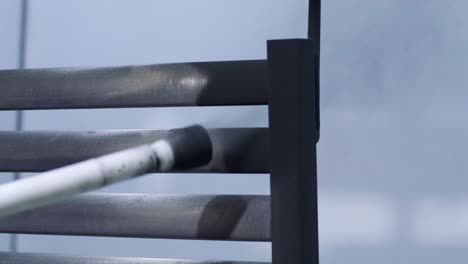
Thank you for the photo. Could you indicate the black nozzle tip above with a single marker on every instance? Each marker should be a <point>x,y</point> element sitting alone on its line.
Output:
<point>191,146</point>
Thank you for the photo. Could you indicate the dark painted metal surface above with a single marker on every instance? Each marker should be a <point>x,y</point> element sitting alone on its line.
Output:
<point>293,135</point>
<point>315,8</point>
<point>314,28</point>
<point>239,150</point>
<point>211,217</point>
<point>16,258</point>
<point>182,84</point>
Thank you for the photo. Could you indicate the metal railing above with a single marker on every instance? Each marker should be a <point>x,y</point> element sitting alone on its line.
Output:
<point>287,82</point>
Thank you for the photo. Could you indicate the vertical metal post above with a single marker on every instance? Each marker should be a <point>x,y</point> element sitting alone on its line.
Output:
<point>22,58</point>
<point>313,33</point>
<point>293,137</point>
<point>19,114</point>
<point>315,11</point>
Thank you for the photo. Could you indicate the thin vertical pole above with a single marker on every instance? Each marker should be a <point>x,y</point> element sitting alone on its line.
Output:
<point>314,28</point>
<point>19,114</point>
<point>314,21</point>
<point>293,161</point>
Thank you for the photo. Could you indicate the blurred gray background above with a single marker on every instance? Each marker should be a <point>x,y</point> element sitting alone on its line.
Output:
<point>393,165</point>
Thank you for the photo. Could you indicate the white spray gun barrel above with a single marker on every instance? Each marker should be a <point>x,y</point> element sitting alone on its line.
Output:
<point>180,149</point>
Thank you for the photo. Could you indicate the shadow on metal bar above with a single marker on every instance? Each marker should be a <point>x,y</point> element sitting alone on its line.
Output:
<point>21,258</point>
<point>180,84</point>
<point>235,150</point>
<point>206,217</point>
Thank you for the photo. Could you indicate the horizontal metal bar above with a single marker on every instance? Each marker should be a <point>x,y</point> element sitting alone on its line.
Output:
<point>23,258</point>
<point>180,84</point>
<point>211,217</point>
<point>235,150</point>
